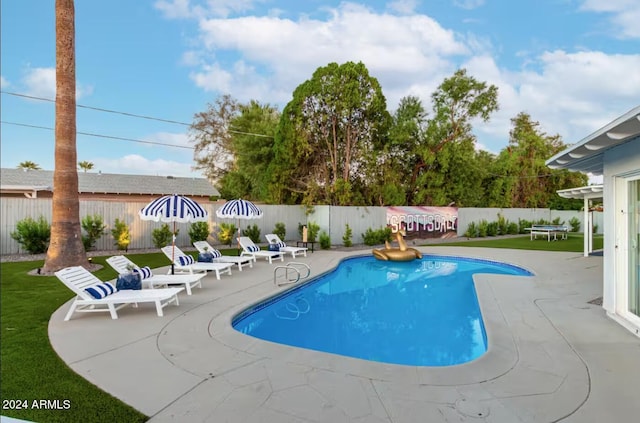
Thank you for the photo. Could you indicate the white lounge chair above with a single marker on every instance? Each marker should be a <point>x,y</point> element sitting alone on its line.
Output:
<point>82,283</point>
<point>249,249</point>
<point>123,265</point>
<point>185,263</point>
<point>283,247</point>
<point>204,247</point>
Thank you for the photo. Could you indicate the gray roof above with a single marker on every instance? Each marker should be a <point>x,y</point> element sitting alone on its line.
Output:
<point>109,183</point>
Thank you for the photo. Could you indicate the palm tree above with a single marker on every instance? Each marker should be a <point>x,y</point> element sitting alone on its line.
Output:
<point>65,247</point>
<point>85,165</point>
<point>29,165</point>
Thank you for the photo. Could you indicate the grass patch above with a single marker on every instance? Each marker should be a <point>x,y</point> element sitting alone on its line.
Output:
<point>31,370</point>
<point>574,243</point>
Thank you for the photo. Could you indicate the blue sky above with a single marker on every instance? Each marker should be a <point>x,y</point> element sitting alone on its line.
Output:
<point>571,64</point>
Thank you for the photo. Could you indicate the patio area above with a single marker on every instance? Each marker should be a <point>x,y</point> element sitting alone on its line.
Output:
<point>553,355</point>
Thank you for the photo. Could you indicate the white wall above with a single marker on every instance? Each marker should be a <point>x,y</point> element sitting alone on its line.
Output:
<point>620,163</point>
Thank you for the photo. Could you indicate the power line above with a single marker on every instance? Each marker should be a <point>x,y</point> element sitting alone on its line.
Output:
<point>99,109</point>
<point>89,134</point>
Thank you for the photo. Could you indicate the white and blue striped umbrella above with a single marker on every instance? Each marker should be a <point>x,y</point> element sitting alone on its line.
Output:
<point>239,209</point>
<point>174,208</point>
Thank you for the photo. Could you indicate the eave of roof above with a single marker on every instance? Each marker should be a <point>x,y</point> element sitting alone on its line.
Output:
<point>587,155</point>
<point>591,191</point>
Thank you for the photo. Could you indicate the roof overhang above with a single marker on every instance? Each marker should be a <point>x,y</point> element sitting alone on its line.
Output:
<point>28,191</point>
<point>589,192</point>
<point>587,155</point>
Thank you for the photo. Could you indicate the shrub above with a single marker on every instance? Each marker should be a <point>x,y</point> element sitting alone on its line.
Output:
<point>512,228</point>
<point>121,235</point>
<point>163,236</point>
<point>33,235</point>
<point>325,240</point>
<point>280,230</point>
<point>492,228</point>
<point>199,231</point>
<point>472,230</point>
<point>378,236</point>
<point>482,228</point>
<point>227,233</point>
<point>523,225</point>
<point>346,238</point>
<point>502,224</point>
<point>556,221</point>
<point>575,224</point>
<point>94,227</point>
<point>252,232</point>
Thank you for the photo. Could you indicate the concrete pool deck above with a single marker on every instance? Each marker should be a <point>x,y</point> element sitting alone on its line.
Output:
<point>553,356</point>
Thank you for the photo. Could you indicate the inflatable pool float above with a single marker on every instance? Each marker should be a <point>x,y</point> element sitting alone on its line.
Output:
<point>402,253</point>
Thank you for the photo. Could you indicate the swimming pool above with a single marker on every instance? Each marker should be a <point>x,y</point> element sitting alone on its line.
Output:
<point>421,313</point>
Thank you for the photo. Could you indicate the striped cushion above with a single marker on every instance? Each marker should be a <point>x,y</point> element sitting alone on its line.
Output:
<point>185,260</point>
<point>144,272</point>
<point>101,290</point>
<point>281,244</point>
<point>215,253</point>
<point>253,248</point>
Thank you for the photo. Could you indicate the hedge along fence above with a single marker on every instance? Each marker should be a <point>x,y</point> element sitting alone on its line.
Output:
<point>331,219</point>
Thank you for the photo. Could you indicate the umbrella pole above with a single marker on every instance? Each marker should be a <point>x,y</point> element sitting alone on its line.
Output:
<point>238,237</point>
<point>173,248</point>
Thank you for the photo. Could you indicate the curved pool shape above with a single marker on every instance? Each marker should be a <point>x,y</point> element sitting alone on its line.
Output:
<point>420,313</point>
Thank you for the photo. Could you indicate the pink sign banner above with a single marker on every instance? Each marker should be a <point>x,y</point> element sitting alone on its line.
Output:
<point>423,221</point>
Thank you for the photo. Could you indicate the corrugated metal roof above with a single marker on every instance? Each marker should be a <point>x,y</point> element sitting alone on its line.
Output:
<point>110,183</point>
<point>587,155</point>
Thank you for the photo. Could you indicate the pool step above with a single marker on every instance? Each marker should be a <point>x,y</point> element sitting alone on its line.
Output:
<point>290,273</point>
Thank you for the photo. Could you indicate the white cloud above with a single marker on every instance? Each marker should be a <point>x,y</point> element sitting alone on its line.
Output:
<point>409,48</point>
<point>625,15</point>
<point>571,93</point>
<point>140,165</point>
<point>468,4</point>
<point>4,83</point>
<point>41,82</point>
<point>403,7</point>
<point>182,9</point>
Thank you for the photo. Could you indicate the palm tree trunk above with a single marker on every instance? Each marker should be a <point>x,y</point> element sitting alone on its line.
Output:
<point>65,248</point>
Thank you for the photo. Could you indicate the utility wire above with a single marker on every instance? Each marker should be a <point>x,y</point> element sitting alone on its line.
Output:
<point>99,109</point>
<point>89,134</point>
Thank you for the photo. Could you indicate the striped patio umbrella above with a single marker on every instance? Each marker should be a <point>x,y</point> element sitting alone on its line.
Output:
<point>239,209</point>
<point>174,208</point>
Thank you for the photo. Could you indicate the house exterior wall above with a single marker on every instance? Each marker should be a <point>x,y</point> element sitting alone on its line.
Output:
<point>621,164</point>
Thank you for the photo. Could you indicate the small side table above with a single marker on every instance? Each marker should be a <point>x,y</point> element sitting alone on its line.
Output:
<point>306,244</point>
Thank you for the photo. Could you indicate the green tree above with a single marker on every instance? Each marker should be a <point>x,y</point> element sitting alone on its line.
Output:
<point>65,248</point>
<point>522,178</point>
<point>457,101</point>
<point>28,165</point>
<point>327,132</point>
<point>85,165</point>
<point>253,148</point>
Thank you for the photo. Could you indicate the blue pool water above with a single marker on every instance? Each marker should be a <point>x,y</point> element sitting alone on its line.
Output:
<point>421,313</point>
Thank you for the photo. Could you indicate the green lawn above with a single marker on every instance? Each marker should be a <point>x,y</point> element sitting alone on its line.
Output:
<point>31,370</point>
<point>575,243</point>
